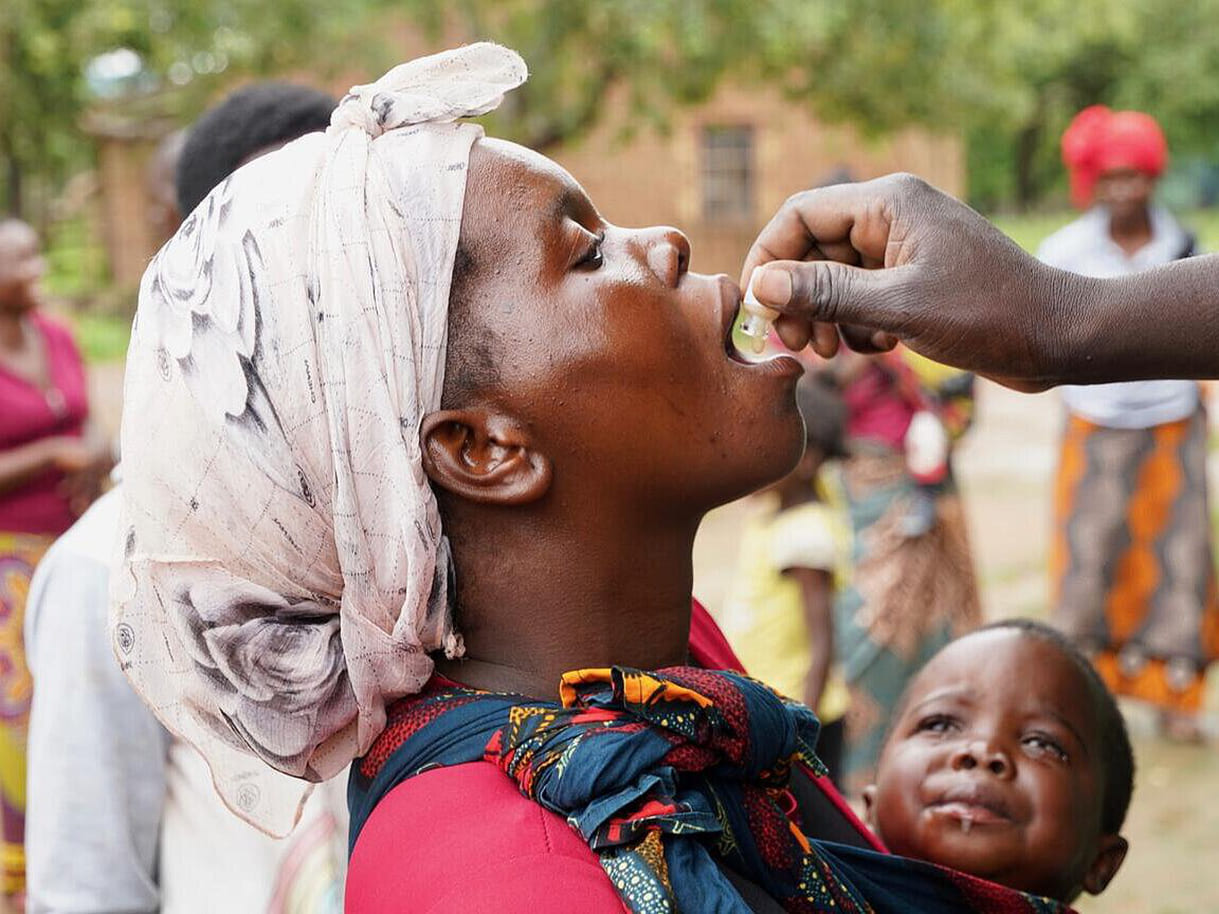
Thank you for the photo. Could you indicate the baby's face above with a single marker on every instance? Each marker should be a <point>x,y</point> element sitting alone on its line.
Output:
<point>994,767</point>
<point>610,351</point>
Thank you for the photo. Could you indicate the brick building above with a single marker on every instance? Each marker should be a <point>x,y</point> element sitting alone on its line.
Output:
<point>722,168</point>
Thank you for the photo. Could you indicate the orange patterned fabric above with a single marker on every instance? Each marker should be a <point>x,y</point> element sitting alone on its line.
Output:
<point>19,553</point>
<point>1132,572</point>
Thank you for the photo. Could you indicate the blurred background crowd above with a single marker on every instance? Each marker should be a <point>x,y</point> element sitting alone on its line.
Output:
<point>931,501</point>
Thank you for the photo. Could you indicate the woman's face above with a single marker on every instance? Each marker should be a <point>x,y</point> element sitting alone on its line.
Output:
<point>1125,192</point>
<point>610,351</point>
<point>21,267</point>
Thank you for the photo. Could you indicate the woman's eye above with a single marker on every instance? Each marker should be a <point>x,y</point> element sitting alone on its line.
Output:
<point>1041,744</point>
<point>593,258</point>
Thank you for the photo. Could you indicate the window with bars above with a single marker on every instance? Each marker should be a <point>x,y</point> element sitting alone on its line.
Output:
<point>727,172</point>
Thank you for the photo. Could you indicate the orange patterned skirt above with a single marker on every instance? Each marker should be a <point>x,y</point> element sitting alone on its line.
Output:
<point>1131,565</point>
<point>19,553</point>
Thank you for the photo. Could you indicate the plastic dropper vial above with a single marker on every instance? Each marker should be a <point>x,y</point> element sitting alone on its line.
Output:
<point>758,318</point>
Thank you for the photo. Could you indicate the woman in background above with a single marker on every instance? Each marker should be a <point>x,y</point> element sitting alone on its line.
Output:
<point>1131,568</point>
<point>778,613</point>
<point>50,470</point>
<point>912,586</point>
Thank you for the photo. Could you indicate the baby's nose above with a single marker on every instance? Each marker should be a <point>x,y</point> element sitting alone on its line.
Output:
<point>980,754</point>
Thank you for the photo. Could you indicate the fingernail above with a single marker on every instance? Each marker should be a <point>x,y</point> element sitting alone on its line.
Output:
<point>774,286</point>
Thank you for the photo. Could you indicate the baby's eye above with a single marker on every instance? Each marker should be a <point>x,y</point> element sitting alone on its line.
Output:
<point>937,723</point>
<point>1040,743</point>
<point>593,258</point>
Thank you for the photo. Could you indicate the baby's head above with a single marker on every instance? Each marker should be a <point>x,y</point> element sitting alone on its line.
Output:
<point>824,413</point>
<point>1008,759</point>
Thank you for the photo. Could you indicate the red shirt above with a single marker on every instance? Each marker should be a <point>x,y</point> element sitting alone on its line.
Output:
<point>461,839</point>
<point>29,414</point>
<point>877,409</point>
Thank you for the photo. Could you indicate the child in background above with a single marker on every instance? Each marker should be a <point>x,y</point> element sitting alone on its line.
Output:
<point>778,610</point>
<point>1008,759</point>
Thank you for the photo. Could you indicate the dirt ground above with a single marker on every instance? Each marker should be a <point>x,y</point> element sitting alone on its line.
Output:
<point>1005,465</point>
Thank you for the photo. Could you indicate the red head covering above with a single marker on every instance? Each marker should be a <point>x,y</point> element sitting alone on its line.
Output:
<point>1100,140</point>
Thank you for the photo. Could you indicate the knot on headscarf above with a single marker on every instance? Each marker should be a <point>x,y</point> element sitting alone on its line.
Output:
<point>283,572</point>
<point>1100,140</point>
<point>464,82</point>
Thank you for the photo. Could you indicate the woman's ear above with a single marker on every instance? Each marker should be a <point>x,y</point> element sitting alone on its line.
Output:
<point>483,456</point>
<point>1110,852</point>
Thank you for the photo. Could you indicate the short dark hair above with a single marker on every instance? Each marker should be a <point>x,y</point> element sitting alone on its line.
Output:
<point>245,123</point>
<point>1116,752</point>
<point>470,363</point>
<point>825,413</point>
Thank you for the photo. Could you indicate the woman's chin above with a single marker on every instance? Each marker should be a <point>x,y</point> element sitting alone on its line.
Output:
<point>770,463</point>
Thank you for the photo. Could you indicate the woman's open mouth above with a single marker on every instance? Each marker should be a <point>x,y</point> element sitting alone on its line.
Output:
<point>739,347</point>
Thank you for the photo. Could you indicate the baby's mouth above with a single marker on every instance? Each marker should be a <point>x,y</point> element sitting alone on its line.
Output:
<point>968,814</point>
<point>971,805</point>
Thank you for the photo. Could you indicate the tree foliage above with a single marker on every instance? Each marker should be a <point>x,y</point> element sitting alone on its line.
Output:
<point>1008,75</point>
<point>46,46</point>
<point>655,54</point>
<point>859,62</point>
<point>1042,61</point>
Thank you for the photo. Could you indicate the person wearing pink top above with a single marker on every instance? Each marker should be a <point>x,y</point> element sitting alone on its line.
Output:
<point>51,468</point>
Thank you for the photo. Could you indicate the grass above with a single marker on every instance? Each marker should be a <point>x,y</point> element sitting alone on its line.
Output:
<point>101,337</point>
<point>1029,230</point>
<point>76,263</point>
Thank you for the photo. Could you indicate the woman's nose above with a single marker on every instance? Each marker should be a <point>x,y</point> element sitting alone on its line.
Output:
<point>980,754</point>
<point>668,254</point>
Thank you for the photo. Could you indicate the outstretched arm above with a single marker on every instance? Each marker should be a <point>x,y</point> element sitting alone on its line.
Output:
<point>817,593</point>
<point>956,289</point>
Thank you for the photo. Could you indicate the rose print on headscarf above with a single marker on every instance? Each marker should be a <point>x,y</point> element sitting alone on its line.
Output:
<point>207,297</point>
<point>202,298</point>
<point>280,665</point>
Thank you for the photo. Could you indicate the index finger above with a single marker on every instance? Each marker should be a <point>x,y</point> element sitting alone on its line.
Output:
<point>817,221</point>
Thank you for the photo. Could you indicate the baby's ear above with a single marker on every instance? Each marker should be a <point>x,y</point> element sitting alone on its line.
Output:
<point>869,806</point>
<point>483,456</point>
<point>1110,852</point>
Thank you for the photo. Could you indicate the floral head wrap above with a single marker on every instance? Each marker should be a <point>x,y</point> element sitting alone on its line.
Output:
<point>1100,140</point>
<point>283,571</point>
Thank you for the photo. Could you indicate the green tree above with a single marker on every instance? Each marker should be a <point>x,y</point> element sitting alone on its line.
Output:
<point>1033,66</point>
<point>46,45</point>
<point>875,63</point>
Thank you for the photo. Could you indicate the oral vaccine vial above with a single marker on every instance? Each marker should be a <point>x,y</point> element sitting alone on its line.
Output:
<point>758,318</point>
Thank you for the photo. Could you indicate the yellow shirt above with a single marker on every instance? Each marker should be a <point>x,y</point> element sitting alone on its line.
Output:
<point>763,614</point>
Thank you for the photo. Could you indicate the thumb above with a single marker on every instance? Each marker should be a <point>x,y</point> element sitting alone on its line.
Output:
<point>836,293</point>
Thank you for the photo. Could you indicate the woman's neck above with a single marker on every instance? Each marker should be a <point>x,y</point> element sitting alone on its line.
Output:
<point>537,599</point>
<point>1131,231</point>
<point>13,335</point>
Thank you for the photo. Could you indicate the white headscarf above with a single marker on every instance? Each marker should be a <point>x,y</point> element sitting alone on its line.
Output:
<point>283,571</point>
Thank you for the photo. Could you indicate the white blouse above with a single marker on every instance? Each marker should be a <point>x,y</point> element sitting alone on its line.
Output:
<point>1085,247</point>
